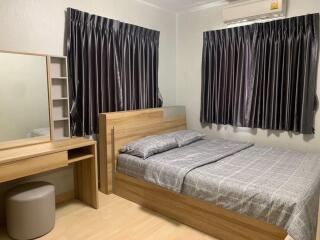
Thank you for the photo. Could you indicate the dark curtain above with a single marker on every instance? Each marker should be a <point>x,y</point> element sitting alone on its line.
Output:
<point>262,75</point>
<point>113,66</point>
<point>138,53</point>
<point>285,62</point>
<point>226,57</point>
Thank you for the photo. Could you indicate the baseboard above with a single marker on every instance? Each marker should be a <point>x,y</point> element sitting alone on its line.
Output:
<point>64,197</point>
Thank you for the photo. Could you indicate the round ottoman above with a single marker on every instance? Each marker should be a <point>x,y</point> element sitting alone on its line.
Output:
<point>30,210</point>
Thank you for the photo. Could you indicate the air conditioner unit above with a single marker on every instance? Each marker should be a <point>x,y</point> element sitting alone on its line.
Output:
<point>253,10</point>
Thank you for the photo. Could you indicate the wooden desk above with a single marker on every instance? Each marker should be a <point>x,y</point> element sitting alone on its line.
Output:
<point>33,159</point>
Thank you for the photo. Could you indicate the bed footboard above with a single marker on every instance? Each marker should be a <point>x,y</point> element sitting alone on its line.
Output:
<point>206,217</point>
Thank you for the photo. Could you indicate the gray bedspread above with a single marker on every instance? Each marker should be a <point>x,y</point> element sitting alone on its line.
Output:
<point>169,170</point>
<point>277,186</point>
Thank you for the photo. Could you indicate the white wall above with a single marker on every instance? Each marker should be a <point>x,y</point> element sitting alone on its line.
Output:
<point>190,27</point>
<point>39,26</point>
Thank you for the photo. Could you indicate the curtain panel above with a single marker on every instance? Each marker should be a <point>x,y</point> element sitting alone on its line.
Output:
<point>262,75</point>
<point>113,66</point>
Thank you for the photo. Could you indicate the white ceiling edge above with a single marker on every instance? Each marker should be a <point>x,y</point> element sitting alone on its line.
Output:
<point>203,7</point>
<point>187,9</point>
<point>156,6</point>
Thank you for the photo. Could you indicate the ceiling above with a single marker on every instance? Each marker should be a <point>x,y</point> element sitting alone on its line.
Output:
<point>178,5</point>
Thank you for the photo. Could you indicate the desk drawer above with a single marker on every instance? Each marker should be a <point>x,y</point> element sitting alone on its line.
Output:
<point>30,166</point>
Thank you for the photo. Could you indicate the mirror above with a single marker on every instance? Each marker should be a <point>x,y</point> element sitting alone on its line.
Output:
<point>24,110</point>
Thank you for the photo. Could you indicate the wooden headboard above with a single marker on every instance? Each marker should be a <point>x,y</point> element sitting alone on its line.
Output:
<point>119,128</point>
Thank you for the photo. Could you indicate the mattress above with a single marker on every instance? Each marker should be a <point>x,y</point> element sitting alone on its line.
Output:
<point>277,186</point>
<point>131,165</point>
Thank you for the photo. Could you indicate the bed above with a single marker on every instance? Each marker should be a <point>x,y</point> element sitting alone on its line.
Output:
<point>228,193</point>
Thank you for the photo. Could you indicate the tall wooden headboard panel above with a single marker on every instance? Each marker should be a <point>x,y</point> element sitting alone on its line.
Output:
<point>119,128</point>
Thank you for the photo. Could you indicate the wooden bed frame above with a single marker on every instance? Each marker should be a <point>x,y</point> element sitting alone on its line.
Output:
<point>119,128</point>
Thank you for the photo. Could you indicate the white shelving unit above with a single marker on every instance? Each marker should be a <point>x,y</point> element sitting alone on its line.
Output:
<point>59,97</point>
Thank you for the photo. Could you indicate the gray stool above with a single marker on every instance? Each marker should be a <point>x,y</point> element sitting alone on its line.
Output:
<point>30,210</point>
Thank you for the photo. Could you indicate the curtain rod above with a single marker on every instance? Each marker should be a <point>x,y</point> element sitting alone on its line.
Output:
<point>260,20</point>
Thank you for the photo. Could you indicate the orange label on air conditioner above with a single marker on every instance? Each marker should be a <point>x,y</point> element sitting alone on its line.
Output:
<point>274,4</point>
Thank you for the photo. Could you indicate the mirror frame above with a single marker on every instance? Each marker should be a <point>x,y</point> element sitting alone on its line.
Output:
<point>36,140</point>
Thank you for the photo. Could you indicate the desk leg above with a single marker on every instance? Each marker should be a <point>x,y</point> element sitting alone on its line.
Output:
<point>85,180</point>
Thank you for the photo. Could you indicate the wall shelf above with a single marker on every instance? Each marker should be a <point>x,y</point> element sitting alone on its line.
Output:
<point>59,97</point>
<point>61,119</point>
<point>59,88</point>
<point>59,78</point>
<point>58,66</point>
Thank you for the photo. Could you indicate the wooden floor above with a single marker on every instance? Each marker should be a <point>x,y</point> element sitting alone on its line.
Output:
<point>117,219</point>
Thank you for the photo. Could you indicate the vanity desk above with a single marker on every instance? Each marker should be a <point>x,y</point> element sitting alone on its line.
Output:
<point>29,160</point>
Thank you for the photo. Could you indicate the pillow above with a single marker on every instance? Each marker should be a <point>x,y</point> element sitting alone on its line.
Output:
<point>150,145</point>
<point>186,137</point>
